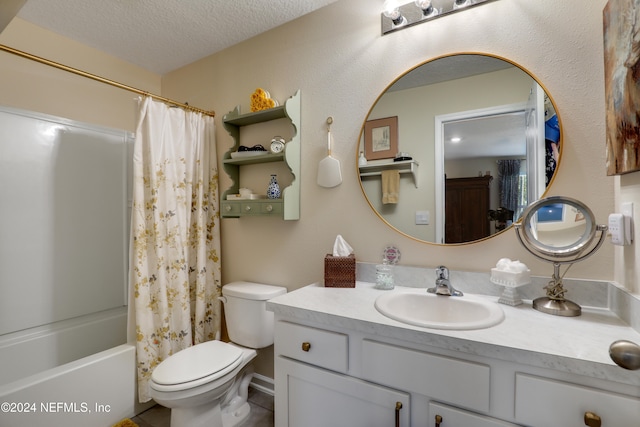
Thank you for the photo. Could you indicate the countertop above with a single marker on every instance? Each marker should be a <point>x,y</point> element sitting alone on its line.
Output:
<point>578,345</point>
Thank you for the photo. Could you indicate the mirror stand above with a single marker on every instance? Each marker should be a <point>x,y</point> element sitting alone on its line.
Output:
<point>586,244</point>
<point>555,302</point>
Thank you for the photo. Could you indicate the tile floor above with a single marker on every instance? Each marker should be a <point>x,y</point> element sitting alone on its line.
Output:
<point>261,412</point>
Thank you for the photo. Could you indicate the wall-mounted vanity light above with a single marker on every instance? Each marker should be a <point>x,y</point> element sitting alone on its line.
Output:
<point>397,16</point>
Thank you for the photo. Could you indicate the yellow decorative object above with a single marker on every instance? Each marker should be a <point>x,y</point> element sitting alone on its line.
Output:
<point>125,423</point>
<point>261,100</point>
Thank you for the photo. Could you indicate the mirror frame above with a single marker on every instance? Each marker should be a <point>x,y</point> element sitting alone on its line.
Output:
<point>362,130</point>
<point>553,251</point>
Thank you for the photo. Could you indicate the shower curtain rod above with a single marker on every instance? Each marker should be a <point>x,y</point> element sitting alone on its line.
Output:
<point>103,80</point>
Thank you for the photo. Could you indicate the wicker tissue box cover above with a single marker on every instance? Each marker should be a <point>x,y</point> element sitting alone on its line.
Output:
<point>340,271</point>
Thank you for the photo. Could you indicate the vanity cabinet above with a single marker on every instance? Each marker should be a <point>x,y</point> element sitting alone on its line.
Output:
<point>546,402</point>
<point>312,389</point>
<point>333,375</point>
<point>286,207</point>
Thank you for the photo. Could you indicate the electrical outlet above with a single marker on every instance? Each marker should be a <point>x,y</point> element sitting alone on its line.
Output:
<point>620,226</point>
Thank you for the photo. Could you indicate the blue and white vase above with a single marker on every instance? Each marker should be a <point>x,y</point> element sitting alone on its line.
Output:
<point>273,191</point>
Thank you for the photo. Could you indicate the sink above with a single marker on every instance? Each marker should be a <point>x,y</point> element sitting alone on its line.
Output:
<point>419,308</point>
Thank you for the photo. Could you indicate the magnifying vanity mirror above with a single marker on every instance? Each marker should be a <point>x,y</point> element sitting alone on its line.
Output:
<point>560,230</point>
<point>455,149</point>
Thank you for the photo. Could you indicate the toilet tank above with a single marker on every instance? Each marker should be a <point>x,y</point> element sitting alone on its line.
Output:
<point>249,324</point>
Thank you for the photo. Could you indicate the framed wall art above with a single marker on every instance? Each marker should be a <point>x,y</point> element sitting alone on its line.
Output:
<point>622,85</point>
<point>381,138</point>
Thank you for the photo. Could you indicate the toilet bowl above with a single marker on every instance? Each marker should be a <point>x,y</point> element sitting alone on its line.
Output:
<point>207,384</point>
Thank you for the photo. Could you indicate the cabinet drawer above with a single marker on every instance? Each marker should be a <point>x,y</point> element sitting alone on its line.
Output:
<point>316,346</point>
<point>457,417</point>
<point>236,208</point>
<point>545,402</point>
<point>458,382</point>
<point>230,209</point>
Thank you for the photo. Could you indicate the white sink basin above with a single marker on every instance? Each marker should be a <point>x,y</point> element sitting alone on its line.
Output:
<point>419,308</point>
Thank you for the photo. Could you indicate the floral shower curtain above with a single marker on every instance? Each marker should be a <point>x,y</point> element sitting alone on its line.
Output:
<point>175,235</point>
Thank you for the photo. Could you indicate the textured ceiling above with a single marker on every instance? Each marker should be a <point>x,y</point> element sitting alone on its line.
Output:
<point>163,35</point>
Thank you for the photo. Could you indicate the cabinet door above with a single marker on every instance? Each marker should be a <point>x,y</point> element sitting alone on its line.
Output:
<point>542,402</point>
<point>307,396</point>
<point>446,416</point>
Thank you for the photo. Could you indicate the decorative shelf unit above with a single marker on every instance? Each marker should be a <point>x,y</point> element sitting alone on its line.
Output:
<point>404,166</point>
<point>288,206</point>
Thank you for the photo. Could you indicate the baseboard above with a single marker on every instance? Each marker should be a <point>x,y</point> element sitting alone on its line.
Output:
<point>263,384</point>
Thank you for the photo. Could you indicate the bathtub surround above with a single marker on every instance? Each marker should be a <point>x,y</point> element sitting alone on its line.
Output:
<point>175,235</point>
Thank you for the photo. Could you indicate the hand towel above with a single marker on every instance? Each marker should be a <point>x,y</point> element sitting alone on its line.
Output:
<point>390,186</point>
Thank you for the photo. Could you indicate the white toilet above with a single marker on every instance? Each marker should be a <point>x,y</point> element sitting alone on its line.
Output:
<point>206,385</point>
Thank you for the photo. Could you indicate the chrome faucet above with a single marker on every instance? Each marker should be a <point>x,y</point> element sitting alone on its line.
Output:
<point>443,285</point>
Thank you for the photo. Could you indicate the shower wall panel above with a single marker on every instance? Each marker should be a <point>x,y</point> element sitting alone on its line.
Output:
<point>63,219</point>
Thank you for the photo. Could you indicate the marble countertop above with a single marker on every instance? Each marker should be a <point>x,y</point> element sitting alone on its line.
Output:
<point>578,345</point>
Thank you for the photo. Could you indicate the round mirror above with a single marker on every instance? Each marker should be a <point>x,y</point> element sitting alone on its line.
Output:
<point>558,227</point>
<point>455,149</point>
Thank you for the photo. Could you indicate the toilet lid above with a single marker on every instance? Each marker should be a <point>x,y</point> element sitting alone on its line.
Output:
<point>196,362</point>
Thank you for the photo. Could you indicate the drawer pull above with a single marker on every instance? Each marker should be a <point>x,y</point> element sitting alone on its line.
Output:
<point>398,407</point>
<point>269,208</point>
<point>592,420</point>
<point>228,208</point>
<point>438,420</point>
<point>306,346</point>
<point>247,208</point>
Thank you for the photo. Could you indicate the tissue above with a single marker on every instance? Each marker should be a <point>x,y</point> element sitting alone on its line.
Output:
<point>510,273</point>
<point>341,247</point>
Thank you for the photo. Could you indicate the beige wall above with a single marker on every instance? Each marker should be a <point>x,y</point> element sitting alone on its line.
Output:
<point>28,85</point>
<point>341,63</point>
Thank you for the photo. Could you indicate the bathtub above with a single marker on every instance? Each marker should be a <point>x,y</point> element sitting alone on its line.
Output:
<point>74,373</point>
<point>95,391</point>
<point>63,273</point>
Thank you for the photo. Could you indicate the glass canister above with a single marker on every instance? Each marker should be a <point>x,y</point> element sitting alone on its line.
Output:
<point>384,276</point>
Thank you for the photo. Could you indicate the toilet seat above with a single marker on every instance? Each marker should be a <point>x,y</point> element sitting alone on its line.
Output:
<point>196,365</point>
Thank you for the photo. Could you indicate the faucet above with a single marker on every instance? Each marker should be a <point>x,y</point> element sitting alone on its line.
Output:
<point>443,285</point>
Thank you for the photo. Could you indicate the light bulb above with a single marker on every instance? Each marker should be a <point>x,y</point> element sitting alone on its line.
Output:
<point>457,4</point>
<point>425,6</point>
<point>392,11</point>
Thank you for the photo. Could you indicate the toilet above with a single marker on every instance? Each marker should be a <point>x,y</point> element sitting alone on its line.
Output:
<point>207,384</point>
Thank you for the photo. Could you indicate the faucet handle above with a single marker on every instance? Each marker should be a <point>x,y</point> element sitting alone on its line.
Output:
<point>442,272</point>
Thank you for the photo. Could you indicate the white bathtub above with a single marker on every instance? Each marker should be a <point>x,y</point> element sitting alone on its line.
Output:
<point>63,273</point>
<point>59,376</point>
<point>95,391</point>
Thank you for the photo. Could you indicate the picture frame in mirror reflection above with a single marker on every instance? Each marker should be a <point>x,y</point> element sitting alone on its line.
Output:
<point>381,138</point>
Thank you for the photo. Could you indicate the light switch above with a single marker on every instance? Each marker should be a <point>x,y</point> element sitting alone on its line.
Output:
<point>422,217</point>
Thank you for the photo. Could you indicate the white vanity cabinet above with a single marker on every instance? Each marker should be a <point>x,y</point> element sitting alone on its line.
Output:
<point>546,402</point>
<point>340,363</point>
<point>328,376</point>
<point>313,391</point>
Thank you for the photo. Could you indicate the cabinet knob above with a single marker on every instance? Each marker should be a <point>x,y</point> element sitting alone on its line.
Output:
<point>438,420</point>
<point>227,207</point>
<point>247,208</point>
<point>306,346</point>
<point>269,208</point>
<point>592,420</point>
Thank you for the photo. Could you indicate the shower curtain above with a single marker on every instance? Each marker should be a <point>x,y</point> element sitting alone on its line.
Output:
<point>174,270</point>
